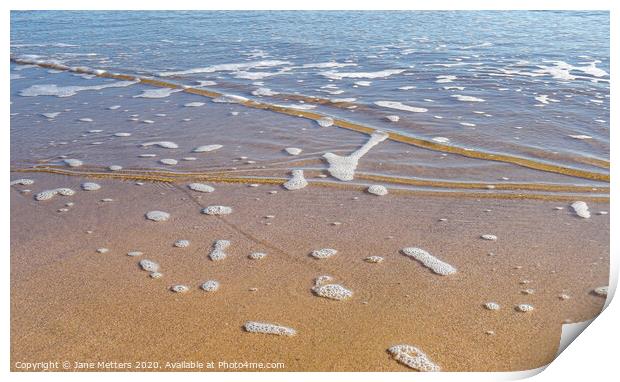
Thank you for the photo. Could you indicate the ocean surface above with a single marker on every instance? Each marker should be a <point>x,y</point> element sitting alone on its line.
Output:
<point>528,84</point>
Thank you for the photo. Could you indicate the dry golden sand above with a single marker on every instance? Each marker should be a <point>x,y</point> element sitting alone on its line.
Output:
<point>69,302</point>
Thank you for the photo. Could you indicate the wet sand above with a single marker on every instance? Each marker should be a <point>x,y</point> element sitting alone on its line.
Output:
<point>69,302</point>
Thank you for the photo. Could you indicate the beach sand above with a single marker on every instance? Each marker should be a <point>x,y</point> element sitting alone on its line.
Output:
<point>69,302</point>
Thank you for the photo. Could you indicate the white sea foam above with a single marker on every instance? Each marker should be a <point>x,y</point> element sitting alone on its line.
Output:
<point>48,194</point>
<point>217,253</point>
<point>465,98</point>
<point>343,168</point>
<point>163,144</point>
<point>492,306</point>
<point>73,162</point>
<point>445,79</point>
<point>373,259</point>
<point>50,115</point>
<point>293,150</point>
<point>581,209</point>
<point>229,98</point>
<point>168,161</point>
<point>181,243</point>
<point>441,139</point>
<point>135,253</point>
<point>400,106</point>
<point>114,107</point>
<point>179,288</point>
<point>200,187</point>
<point>157,93</point>
<point>377,189</point>
<point>232,67</point>
<point>68,91</point>
<point>194,104</point>
<point>90,186</point>
<point>149,265</point>
<point>264,92</point>
<point>325,65</point>
<point>379,74</point>
<point>22,182</point>
<point>489,237</point>
<point>157,216</point>
<point>217,210</point>
<point>323,253</point>
<point>115,168</point>
<point>210,286</point>
<point>363,83</point>
<point>524,308</point>
<point>206,148</point>
<point>297,181</point>
<point>601,291</point>
<point>325,121</point>
<point>267,328</point>
<point>392,118</point>
<point>580,136</point>
<point>257,255</point>
<point>122,135</point>
<point>429,261</point>
<point>413,357</point>
<point>330,291</point>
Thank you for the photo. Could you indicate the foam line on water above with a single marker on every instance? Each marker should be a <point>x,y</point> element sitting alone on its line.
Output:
<point>398,137</point>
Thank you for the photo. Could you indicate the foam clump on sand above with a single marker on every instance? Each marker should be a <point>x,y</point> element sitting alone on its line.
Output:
<point>601,291</point>
<point>90,186</point>
<point>210,286</point>
<point>429,261</point>
<point>257,255</point>
<point>179,288</point>
<point>267,328</point>
<point>22,182</point>
<point>325,121</point>
<point>413,357</point>
<point>163,144</point>
<point>581,209</point>
<point>206,148</point>
<point>135,253</point>
<point>377,189</point>
<point>200,187</point>
<point>293,150</point>
<point>373,259</point>
<point>492,306</point>
<point>401,106</point>
<point>73,162</point>
<point>297,181</point>
<point>217,210</point>
<point>194,104</point>
<point>218,253</point>
<point>148,265</point>
<point>323,253</point>
<point>524,308</point>
<point>157,216</point>
<point>488,237</point>
<point>330,291</point>
<point>168,161</point>
<point>343,168</point>
<point>48,194</point>
<point>181,243</point>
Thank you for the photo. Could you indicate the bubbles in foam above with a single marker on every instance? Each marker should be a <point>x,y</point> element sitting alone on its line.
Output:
<point>163,144</point>
<point>206,148</point>
<point>373,259</point>
<point>218,253</point>
<point>148,265</point>
<point>73,162</point>
<point>200,187</point>
<point>524,308</point>
<point>492,306</point>
<point>68,91</point>
<point>323,253</point>
<point>229,98</point>
<point>377,189</point>
<point>181,243</point>
<point>429,261</point>
<point>266,328</point>
<point>157,93</point>
<point>217,210</point>
<point>330,291</point>
<point>257,255</point>
<point>413,357</point>
<point>489,237</point>
<point>210,286</point>
<point>297,181</point>
<point>48,194</point>
<point>22,182</point>
<point>179,288</point>
<point>90,186</point>
<point>581,209</point>
<point>157,216</point>
<point>102,250</point>
<point>343,168</point>
<point>392,118</point>
<point>401,106</point>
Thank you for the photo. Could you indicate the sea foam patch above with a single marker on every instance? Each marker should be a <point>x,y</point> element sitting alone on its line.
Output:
<point>200,187</point>
<point>323,253</point>
<point>343,168</point>
<point>217,210</point>
<point>68,91</point>
<point>400,106</point>
<point>331,291</point>
<point>581,209</point>
<point>267,328</point>
<point>429,261</point>
<point>217,253</point>
<point>90,186</point>
<point>413,357</point>
<point>297,181</point>
<point>22,182</point>
<point>162,144</point>
<point>157,93</point>
<point>49,194</point>
<point>206,148</point>
<point>157,216</point>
